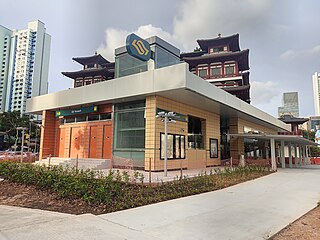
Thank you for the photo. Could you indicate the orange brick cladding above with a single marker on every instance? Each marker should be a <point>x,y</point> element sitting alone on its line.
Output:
<point>57,140</point>
<point>48,134</point>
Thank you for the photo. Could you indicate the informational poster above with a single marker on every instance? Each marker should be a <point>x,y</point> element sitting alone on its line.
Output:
<point>213,148</point>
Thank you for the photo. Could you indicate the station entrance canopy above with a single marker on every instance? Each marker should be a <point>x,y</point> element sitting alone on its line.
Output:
<point>295,140</point>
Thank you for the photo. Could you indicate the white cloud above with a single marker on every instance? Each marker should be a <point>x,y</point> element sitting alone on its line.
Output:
<point>291,55</point>
<point>263,92</point>
<point>205,19</point>
<point>198,19</point>
<point>116,38</point>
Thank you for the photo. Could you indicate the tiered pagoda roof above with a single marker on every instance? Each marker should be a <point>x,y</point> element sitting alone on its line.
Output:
<point>242,57</point>
<point>97,58</point>
<point>95,67</point>
<point>231,41</point>
<point>219,53</point>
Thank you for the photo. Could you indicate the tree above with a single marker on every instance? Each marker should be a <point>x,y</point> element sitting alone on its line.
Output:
<point>9,121</point>
<point>308,135</point>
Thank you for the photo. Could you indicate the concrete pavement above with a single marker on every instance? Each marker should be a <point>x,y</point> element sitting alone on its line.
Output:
<point>252,210</point>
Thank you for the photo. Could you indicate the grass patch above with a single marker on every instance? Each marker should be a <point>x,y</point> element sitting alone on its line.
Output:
<point>118,191</point>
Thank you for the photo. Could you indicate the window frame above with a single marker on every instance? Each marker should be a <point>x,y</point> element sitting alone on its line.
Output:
<point>182,151</point>
<point>203,67</point>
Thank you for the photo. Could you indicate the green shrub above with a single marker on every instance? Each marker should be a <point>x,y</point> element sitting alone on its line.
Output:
<point>116,190</point>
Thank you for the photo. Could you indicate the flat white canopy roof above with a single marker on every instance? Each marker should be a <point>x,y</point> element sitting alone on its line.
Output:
<point>287,138</point>
<point>174,82</point>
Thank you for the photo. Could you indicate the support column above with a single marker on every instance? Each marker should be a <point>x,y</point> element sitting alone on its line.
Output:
<point>300,155</point>
<point>290,155</point>
<point>273,155</point>
<point>283,162</point>
<point>305,154</point>
<point>48,135</point>
<point>295,155</point>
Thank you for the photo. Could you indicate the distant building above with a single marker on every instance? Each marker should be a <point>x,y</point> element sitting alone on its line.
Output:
<point>24,65</point>
<point>5,43</point>
<point>316,93</point>
<point>290,105</point>
<point>313,123</point>
<point>221,62</point>
<point>95,69</point>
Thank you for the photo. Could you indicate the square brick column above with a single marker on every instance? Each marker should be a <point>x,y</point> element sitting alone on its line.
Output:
<point>48,134</point>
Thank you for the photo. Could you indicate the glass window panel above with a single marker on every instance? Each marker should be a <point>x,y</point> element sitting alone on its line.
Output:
<point>93,117</point>
<point>131,119</point>
<point>203,72</point>
<point>105,116</point>
<point>81,118</point>
<point>164,58</point>
<point>182,139</point>
<point>70,120</point>
<point>177,146</point>
<point>131,105</point>
<point>131,139</point>
<point>128,65</point>
<point>229,70</point>
<point>217,71</point>
<point>170,146</point>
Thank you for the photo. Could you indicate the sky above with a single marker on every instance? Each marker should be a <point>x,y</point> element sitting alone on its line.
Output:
<point>283,36</point>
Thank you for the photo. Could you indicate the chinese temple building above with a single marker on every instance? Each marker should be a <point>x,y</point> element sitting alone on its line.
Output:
<point>95,69</point>
<point>294,122</point>
<point>221,62</point>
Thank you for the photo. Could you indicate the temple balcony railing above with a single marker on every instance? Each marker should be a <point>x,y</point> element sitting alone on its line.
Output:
<point>296,133</point>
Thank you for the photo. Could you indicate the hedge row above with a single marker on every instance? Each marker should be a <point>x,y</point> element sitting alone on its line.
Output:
<point>118,190</point>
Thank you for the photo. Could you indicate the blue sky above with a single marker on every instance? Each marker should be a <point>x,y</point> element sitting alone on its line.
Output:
<point>283,36</point>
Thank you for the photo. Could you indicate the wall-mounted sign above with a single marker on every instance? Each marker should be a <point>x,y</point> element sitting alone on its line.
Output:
<point>178,116</point>
<point>70,112</point>
<point>138,47</point>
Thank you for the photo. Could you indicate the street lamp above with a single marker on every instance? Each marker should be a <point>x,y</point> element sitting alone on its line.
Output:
<point>166,117</point>
<point>22,140</point>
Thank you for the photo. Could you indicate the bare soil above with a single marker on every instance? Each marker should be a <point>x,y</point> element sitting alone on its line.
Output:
<point>14,194</point>
<point>307,228</point>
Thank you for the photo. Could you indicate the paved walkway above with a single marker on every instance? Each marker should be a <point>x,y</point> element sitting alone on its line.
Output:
<point>251,210</point>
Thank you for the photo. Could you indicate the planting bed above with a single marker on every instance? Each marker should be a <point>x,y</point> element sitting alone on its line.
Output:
<point>71,191</point>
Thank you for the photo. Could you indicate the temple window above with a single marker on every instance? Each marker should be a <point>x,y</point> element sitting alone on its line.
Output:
<point>203,72</point>
<point>90,66</point>
<point>215,71</point>
<point>87,82</point>
<point>78,83</point>
<point>230,69</point>
<point>218,49</point>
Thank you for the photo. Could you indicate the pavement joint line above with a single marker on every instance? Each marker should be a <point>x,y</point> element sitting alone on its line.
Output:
<point>107,220</point>
<point>38,222</point>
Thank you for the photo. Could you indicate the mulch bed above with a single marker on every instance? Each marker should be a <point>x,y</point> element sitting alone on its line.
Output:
<point>14,194</point>
<point>307,228</point>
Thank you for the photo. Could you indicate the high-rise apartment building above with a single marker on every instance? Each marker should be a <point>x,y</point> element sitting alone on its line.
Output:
<point>316,93</point>
<point>5,43</point>
<point>290,104</point>
<point>26,63</point>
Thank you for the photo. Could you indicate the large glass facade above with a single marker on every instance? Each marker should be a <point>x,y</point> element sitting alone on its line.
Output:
<point>129,137</point>
<point>128,65</point>
<point>164,58</point>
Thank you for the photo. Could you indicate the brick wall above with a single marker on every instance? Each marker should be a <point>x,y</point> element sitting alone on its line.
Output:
<point>48,134</point>
<point>154,126</point>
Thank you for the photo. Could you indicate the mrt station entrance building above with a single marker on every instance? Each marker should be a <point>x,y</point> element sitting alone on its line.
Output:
<point>116,118</point>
